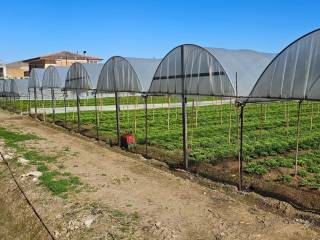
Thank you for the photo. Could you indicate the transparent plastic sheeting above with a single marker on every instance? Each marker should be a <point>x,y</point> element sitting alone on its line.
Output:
<point>35,79</point>
<point>1,88</point>
<point>6,88</point>
<point>14,88</point>
<point>294,73</point>
<point>19,88</point>
<point>209,71</point>
<point>122,74</point>
<point>83,76</point>
<point>54,77</point>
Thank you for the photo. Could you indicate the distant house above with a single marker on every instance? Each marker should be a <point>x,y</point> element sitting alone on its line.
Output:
<point>63,58</point>
<point>17,69</point>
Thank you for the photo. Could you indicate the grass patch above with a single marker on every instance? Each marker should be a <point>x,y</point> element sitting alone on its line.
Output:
<point>42,168</point>
<point>35,157</point>
<point>59,183</point>
<point>12,138</point>
<point>56,182</point>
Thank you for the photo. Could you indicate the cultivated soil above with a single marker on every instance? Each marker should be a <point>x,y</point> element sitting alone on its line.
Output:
<point>128,197</point>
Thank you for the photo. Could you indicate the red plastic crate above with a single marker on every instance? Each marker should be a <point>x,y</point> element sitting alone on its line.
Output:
<point>127,140</point>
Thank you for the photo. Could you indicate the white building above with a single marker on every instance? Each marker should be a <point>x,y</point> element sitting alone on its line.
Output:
<point>3,70</point>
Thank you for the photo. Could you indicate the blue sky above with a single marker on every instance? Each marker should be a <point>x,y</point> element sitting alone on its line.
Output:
<point>150,28</point>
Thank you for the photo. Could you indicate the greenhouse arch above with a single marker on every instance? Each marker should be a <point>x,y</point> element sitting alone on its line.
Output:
<point>82,77</point>
<point>208,71</point>
<point>54,79</point>
<point>19,88</point>
<point>191,70</point>
<point>294,73</point>
<point>35,79</point>
<point>125,74</point>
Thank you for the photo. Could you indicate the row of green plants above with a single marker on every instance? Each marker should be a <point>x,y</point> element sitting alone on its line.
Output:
<point>70,101</point>
<point>269,132</point>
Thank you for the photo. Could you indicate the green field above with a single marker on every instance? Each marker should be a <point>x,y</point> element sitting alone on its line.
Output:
<point>269,134</point>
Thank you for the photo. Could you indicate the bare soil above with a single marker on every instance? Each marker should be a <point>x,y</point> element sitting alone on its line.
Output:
<point>129,198</point>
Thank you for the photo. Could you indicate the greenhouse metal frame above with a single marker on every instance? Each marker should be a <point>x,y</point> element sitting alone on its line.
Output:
<point>292,75</point>
<point>126,75</point>
<point>54,79</point>
<point>192,70</point>
<point>35,81</point>
<point>82,77</point>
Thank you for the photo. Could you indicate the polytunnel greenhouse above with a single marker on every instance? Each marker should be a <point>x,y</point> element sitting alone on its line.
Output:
<point>54,79</point>
<point>19,88</point>
<point>6,90</point>
<point>191,70</point>
<point>126,75</point>
<point>209,71</point>
<point>1,87</point>
<point>294,75</point>
<point>11,89</point>
<point>34,84</point>
<point>82,78</point>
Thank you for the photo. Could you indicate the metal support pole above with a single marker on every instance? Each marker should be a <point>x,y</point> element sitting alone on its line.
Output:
<point>146,122</point>
<point>184,131</point>
<point>9,103</point>
<point>14,104</point>
<point>117,117</point>
<point>52,105</point>
<point>65,109</point>
<point>35,102</point>
<point>78,109</point>
<point>184,113</point>
<point>241,149</point>
<point>29,102</point>
<point>298,136</point>
<point>97,123</point>
<point>44,112</point>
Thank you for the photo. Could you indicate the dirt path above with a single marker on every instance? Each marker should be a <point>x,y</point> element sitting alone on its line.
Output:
<point>168,207</point>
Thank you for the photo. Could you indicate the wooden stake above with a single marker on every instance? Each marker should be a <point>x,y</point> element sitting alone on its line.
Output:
<point>168,111</point>
<point>230,122</point>
<point>73,108</point>
<point>128,116</point>
<point>288,118</point>
<point>261,120</point>
<point>197,109</point>
<point>311,117</point>
<point>221,112</point>
<point>298,138</point>
<point>135,113</point>
<point>152,108</point>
